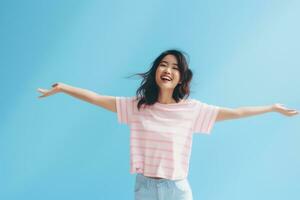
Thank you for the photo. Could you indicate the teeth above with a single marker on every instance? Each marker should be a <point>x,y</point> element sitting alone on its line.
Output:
<point>166,77</point>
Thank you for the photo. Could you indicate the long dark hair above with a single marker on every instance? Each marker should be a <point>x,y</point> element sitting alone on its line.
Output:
<point>148,91</point>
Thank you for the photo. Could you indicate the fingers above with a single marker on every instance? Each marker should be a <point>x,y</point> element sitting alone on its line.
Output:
<point>286,111</point>
<point>294,112</point>
<point>291,110</point>
<point>291,113</point>
<point>49,92</point>
<point>41,96</point>
<point>43,91</point>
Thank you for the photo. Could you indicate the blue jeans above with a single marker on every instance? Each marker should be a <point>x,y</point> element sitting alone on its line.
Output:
<point>161,189</point>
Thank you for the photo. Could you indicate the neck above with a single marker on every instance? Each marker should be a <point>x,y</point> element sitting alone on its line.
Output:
<point>165,97</point>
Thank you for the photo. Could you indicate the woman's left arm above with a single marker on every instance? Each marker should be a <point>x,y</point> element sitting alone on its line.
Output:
<point>229,113</point>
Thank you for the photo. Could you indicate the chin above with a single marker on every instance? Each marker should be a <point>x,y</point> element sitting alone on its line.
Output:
<point>167,87</point>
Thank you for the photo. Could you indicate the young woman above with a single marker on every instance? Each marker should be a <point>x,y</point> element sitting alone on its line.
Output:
<point>162,121</point>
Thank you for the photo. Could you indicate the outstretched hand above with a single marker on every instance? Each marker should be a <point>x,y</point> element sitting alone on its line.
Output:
<point>284,110</point>
<point>55,89</point>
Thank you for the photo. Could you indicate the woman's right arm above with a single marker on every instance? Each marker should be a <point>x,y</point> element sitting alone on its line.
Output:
<point>107,102</point>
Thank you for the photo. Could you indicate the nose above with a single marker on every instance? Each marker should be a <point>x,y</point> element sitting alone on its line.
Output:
<point>167,70</point>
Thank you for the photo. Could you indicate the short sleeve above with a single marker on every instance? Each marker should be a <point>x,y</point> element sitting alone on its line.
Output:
<point>206,115</point>
<point>125,107</point>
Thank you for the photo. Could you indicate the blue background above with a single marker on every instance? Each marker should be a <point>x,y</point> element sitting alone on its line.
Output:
<point>242,53</point>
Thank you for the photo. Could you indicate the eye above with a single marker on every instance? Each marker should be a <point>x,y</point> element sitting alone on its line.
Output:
<point>176,68</point>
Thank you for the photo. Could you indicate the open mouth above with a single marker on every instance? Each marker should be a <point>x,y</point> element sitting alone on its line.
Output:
<point>166,78</point>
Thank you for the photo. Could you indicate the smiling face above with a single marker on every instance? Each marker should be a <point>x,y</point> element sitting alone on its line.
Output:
<point>167,74</point>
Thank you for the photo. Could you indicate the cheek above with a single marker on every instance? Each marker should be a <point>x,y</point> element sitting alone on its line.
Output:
<point>157,78</point>
<point>178,76</point>
<point>157,75</point>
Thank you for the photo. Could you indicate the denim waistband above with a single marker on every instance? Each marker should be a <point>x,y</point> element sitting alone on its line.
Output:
<point>153,182</point>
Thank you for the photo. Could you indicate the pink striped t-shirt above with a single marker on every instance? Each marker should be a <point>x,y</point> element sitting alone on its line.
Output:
<point>161,134</point>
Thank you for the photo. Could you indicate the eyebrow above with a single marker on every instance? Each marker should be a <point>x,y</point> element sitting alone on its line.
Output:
<point>168,63</point>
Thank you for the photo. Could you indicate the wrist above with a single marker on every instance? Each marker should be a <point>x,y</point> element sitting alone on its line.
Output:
<point>61,87</point>
<point>273,108</point>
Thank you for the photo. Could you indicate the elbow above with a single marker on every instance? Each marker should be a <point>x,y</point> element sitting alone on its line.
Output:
<point>229,113</point>
<point>238,113</point>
